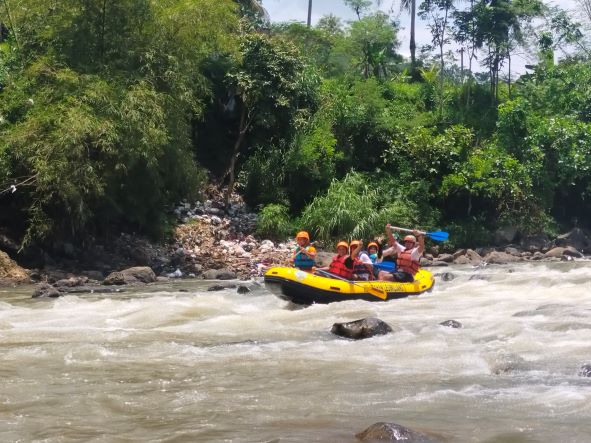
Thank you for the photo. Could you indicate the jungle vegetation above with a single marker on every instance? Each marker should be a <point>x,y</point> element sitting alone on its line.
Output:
<point>113,112</point>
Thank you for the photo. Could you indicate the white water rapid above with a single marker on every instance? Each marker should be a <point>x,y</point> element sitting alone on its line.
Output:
<point>160,364</point>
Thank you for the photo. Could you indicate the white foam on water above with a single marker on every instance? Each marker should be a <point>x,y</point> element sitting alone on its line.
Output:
<point>222,366</point>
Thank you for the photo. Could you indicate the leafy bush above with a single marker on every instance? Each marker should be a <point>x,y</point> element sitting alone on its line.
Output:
<point>274,222</point>
<point>356,206</point>
<point>468,233</point>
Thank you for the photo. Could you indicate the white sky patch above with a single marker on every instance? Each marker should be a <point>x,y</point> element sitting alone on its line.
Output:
<point>297,11</point>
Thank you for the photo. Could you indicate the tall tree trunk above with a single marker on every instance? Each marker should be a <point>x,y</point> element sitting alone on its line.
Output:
<point>413,44</point>
<point>471,58</point>
<point>309,13</point>
<point>462,65</point>
<point>509,78</point>
<point>231,172</point>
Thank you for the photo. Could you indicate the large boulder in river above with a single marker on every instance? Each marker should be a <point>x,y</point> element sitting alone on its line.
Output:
<point>9,270</point>
<point>143,274</point>
<point>500,258</point>
<point>559,252</point>
<point>575,238</point>
<point>392,432</point>
<point>535,243</point>
<point>45,290</point>
<point>219,274</point>
<point>360,329</point>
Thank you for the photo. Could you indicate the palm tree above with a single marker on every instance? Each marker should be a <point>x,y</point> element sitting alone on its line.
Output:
<point>411,6</point>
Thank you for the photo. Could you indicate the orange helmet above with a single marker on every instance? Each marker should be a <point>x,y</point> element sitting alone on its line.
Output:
<point>374,244</point>
<point>303,234</point>
<point>354,244</point>
<point>411,238</point>
<point>342,243</point>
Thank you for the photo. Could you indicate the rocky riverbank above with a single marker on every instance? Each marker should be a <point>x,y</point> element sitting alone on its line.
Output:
<point>212,243</point>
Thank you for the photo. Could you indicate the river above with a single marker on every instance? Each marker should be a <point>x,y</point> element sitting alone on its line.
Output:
<point>175,363</point>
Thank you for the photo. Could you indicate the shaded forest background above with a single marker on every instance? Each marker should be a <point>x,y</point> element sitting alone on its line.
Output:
<point>112,112</point>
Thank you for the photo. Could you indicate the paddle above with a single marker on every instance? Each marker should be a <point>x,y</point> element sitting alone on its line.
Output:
<point>437,235</point>
<point>373,291</point>
<point>389,266</point>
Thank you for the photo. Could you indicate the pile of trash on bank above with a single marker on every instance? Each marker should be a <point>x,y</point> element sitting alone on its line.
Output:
<point>213,238</point>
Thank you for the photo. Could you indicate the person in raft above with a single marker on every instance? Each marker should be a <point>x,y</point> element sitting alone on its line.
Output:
<point>362,263</point>
<point>304,256</point>
<point>409,255</point>
<point>343,263</point>
<point>373,251</point>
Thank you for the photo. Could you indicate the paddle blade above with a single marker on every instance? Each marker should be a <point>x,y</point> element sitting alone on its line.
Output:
<point>438,235</point>
<point>377,292</point>
<point>388,266</point>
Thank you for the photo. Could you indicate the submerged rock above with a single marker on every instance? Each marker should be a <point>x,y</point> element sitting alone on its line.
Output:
<point>220,287</point>
<point>509,363</point>
<point>451,324</point>
<point>71,282</point>
<point>391,432</point>
<point>360,329</point>
<point>219,274</point>
<point>243,289</point>
<point>585,370</point>
<point>447,276</point>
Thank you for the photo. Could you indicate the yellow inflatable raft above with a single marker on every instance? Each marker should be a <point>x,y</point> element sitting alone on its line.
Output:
<point>305,288</point>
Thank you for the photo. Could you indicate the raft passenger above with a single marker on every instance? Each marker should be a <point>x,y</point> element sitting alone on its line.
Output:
<point>343,263</point>
<point>362,263</point>
<point>409,256</point>
<point>304,257</point>
<point>373,251</point>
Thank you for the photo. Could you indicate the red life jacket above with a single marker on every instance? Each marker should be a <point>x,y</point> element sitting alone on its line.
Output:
<point>404,262</point>
<point>337,267</point>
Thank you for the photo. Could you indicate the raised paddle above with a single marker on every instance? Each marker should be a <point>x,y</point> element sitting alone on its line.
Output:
<point>437,235</point>
<point>373,291</point>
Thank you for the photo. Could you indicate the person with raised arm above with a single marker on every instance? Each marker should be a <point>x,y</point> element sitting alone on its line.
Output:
<point>408,256</point>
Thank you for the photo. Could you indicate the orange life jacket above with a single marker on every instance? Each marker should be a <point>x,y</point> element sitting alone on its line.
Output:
<point>405,263</point>
<point>338,267</point>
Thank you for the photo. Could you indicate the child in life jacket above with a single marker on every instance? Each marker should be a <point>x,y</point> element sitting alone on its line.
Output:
<point>362,263</point>
<point>409,255</point>
<point>304,257</point>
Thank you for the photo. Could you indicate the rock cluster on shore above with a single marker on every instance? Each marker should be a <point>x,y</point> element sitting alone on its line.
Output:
<point>216,242</point>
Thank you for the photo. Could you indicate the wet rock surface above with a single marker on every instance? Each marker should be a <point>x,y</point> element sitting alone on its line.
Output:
<point>392,432</point>
<point>216,243</point>
<point>451,324</point>
<point>585,370</point>
<point>361,329</point>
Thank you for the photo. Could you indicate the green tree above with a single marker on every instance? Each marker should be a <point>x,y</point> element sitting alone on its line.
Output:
<point>374,41</point>
<point>359,6</point>
<point>96,130</point>
<point>269,89</point>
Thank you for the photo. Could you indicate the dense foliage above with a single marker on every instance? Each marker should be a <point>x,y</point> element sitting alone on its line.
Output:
<point>111,112</point>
